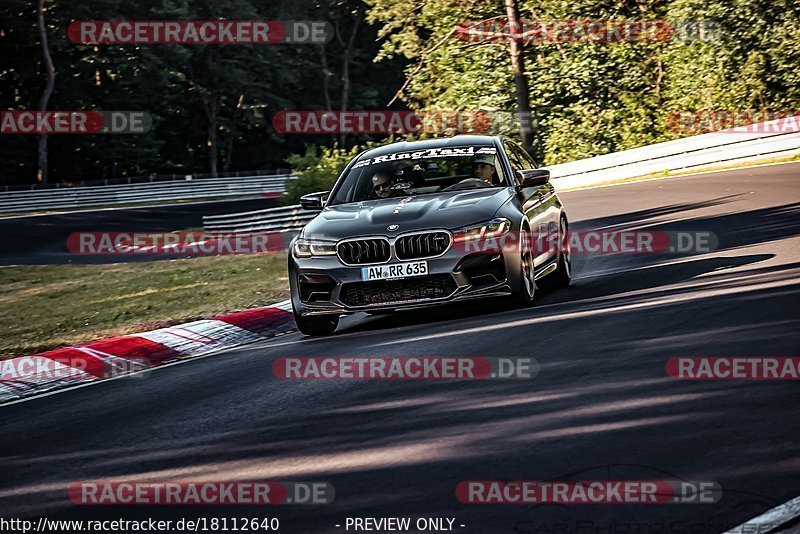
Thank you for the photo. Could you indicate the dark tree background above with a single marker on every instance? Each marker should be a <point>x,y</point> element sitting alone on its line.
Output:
<point>212,105</point>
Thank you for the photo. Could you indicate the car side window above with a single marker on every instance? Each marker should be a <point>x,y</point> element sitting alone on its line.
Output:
<point>513,158</point>
<point>527,161</point>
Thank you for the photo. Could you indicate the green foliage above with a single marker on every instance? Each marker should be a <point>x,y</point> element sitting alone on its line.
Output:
<point>588,98</point>
<point>317,170</point>
<point>592,98</point>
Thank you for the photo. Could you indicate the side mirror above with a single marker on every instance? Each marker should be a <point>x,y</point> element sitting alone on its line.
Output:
<point>533,177</point>
<point>313,201</point>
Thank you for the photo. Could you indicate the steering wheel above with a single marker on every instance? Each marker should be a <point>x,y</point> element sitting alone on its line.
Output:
<point>468,183</point>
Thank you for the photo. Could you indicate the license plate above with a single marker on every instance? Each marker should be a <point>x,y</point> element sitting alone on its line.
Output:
<point>394,271</point>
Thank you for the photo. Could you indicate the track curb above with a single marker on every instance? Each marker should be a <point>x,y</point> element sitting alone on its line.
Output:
<point>104,359</point>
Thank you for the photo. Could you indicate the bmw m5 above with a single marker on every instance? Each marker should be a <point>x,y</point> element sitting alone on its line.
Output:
<point>418,223</point>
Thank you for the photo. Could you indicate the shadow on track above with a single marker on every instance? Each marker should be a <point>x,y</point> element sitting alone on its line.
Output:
<point>400,448</point>
<point>644,215</point>
<point>605,275</point>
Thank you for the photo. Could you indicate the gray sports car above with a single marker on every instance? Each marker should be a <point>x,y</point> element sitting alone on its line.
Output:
<point>422,223</point>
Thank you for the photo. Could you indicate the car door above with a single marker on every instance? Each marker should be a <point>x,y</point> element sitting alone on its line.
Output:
<point>550,204</point>
<point>532,202</point>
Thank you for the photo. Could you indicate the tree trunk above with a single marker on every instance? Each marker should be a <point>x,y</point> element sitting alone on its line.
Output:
<point>326,92</point>
<point>346,75</point>
<point>41,174</point>
<point>211,106</point>
<point>517,47</point>
<point>213,153</point>
<point>234,122</point>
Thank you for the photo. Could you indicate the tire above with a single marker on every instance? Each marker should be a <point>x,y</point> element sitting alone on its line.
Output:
<point>527,292</point>
<point>317,325</point>
<point>563,273</point>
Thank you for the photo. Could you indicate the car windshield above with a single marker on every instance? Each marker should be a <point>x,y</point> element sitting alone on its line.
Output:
<point>420,172</point>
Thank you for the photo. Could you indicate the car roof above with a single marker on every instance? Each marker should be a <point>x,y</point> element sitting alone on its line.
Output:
<point>458,140</point>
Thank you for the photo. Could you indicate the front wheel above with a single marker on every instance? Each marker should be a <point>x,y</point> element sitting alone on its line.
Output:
<point>317,325</point>
<point>527,293</point>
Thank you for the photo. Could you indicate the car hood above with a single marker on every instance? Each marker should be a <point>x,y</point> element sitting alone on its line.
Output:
<point>451,209</point>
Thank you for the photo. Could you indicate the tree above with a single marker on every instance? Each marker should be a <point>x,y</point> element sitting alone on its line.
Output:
<point>592,98</point>
<point>50,71</point>
<point>516,49</point>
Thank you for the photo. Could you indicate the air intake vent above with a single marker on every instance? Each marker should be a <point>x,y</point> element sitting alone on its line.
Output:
<point>363,251</point>
<point>418,246</point>
<point>398,291</point>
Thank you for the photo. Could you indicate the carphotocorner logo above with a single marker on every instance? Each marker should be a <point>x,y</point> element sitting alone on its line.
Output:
<point>188,32</point>
<point>74,122</point>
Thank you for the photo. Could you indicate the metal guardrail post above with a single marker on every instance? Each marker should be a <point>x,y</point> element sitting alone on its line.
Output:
<point>123,194</point>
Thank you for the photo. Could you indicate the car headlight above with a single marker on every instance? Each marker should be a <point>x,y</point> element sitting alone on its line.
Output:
<point>486,230</point>
<point>306,248</point>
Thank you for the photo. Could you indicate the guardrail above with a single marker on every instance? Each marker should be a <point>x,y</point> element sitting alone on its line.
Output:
<point>686,153</point>
<point>142,179</point>
<point>698,151</point>
<point>268,220</point>
<point>121,195</point>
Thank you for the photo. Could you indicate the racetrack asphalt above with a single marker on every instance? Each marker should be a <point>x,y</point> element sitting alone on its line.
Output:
<point>601,406</point>
<point>42,239</point>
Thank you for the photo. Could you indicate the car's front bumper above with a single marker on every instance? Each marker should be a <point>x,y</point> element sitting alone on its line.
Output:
<point>324,285</point>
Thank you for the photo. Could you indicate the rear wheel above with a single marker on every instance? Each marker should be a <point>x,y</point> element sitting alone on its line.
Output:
<point>563,274</point>
<point>316,325</point>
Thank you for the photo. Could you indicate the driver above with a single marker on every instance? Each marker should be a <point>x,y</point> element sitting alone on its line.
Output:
<point>382,185</point>
<point>483,167</point>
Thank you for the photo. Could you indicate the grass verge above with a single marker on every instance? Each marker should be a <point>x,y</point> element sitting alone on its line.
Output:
<point>45,307</point>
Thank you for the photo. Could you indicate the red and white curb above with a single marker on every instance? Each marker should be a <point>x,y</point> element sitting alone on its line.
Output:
<point>112,357</point>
